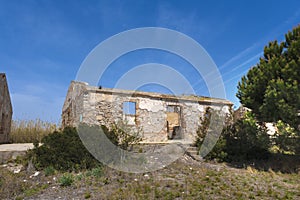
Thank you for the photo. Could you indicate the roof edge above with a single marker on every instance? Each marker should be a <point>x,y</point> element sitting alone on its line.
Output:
<point>192,98</point>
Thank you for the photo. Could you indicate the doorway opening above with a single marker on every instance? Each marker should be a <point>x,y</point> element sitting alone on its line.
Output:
<point>174,122</point>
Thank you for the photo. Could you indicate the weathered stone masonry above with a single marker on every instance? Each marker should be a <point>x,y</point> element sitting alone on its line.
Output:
<point>161,117</point>
<point>5,110</point>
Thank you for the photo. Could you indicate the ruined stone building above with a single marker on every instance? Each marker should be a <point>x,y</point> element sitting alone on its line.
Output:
<point>161,117</point>
<point>5,110</point>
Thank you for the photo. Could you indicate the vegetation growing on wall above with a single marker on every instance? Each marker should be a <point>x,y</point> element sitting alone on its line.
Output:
<point>122,135</point>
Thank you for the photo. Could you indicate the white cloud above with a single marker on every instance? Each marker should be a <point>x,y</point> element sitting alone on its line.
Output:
<point>240,56</point>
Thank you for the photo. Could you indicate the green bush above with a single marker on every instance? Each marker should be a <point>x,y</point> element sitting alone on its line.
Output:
<point>49,171</point>
<point>210,129</point>
<point>287,138</point>
<point>63,151</point>
<point>122,135</point>
<point>66,180</point>
<point>239,141</point>
<point>97,172</point>
<point>245,139</point>
<point>87,195</point>
<point>203,128</point>
<point>219,151</point>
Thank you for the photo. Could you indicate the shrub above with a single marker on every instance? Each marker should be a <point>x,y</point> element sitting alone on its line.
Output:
<point>211,124</point>
<point>66,180</point>
<point>219,151</point>
<point>97,172</point>
<point>245,139</point>
<point>49,171</point>
<point>203,128</point>
<point>287,138</point>
<point>63,151</point>
<point>239,141</point>
<point>122,135</point>
<point>87,195</point>
<point>108,145</point>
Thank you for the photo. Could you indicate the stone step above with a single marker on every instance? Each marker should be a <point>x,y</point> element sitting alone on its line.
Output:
<point>193,153</point>
<point>196,157</point>
<point>191,148</point>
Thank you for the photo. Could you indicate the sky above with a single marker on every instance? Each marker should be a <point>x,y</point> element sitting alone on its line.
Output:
<point>43,43</point>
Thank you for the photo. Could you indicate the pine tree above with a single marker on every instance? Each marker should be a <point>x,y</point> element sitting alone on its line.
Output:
<point>271,88</point>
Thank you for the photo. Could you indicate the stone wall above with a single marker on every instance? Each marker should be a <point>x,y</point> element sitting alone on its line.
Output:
<point>5,110</point>
<point>104,106</point>
<point>73,106</point>
<point>240,113</point>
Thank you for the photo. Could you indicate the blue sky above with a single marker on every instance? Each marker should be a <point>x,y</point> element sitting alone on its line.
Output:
<point>43,43</point>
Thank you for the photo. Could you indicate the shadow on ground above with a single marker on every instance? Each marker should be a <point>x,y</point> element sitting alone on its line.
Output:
<point>276,162</point>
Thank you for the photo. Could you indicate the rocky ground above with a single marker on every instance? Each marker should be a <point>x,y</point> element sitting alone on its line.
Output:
<point>183,179</point>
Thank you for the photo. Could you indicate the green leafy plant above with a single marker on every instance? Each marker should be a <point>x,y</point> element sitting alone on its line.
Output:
<point>246,139</point>
<point>123,135</point>
<point>49,171</point>
<point>87,195</point>
<point>287,138</point>
<point>203,128</point>
<point>63,151</point>
<point>66,180</point>
<point>211,124</point>
<point>243,140</point>
<point>97,172</point>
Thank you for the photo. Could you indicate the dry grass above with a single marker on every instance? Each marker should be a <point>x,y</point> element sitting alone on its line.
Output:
<point>29,131</point>
<point>184,179</point>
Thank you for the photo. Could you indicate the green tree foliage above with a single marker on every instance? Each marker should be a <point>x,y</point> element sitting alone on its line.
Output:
<point>286,138</point>
<point>272,87</point>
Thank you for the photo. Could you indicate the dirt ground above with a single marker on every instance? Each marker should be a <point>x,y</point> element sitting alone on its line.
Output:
<point>183,179</point>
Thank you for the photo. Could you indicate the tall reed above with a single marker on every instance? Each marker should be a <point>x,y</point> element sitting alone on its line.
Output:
<point>28,131</point>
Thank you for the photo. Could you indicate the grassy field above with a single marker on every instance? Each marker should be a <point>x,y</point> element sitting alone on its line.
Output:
<point>183,179</point>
